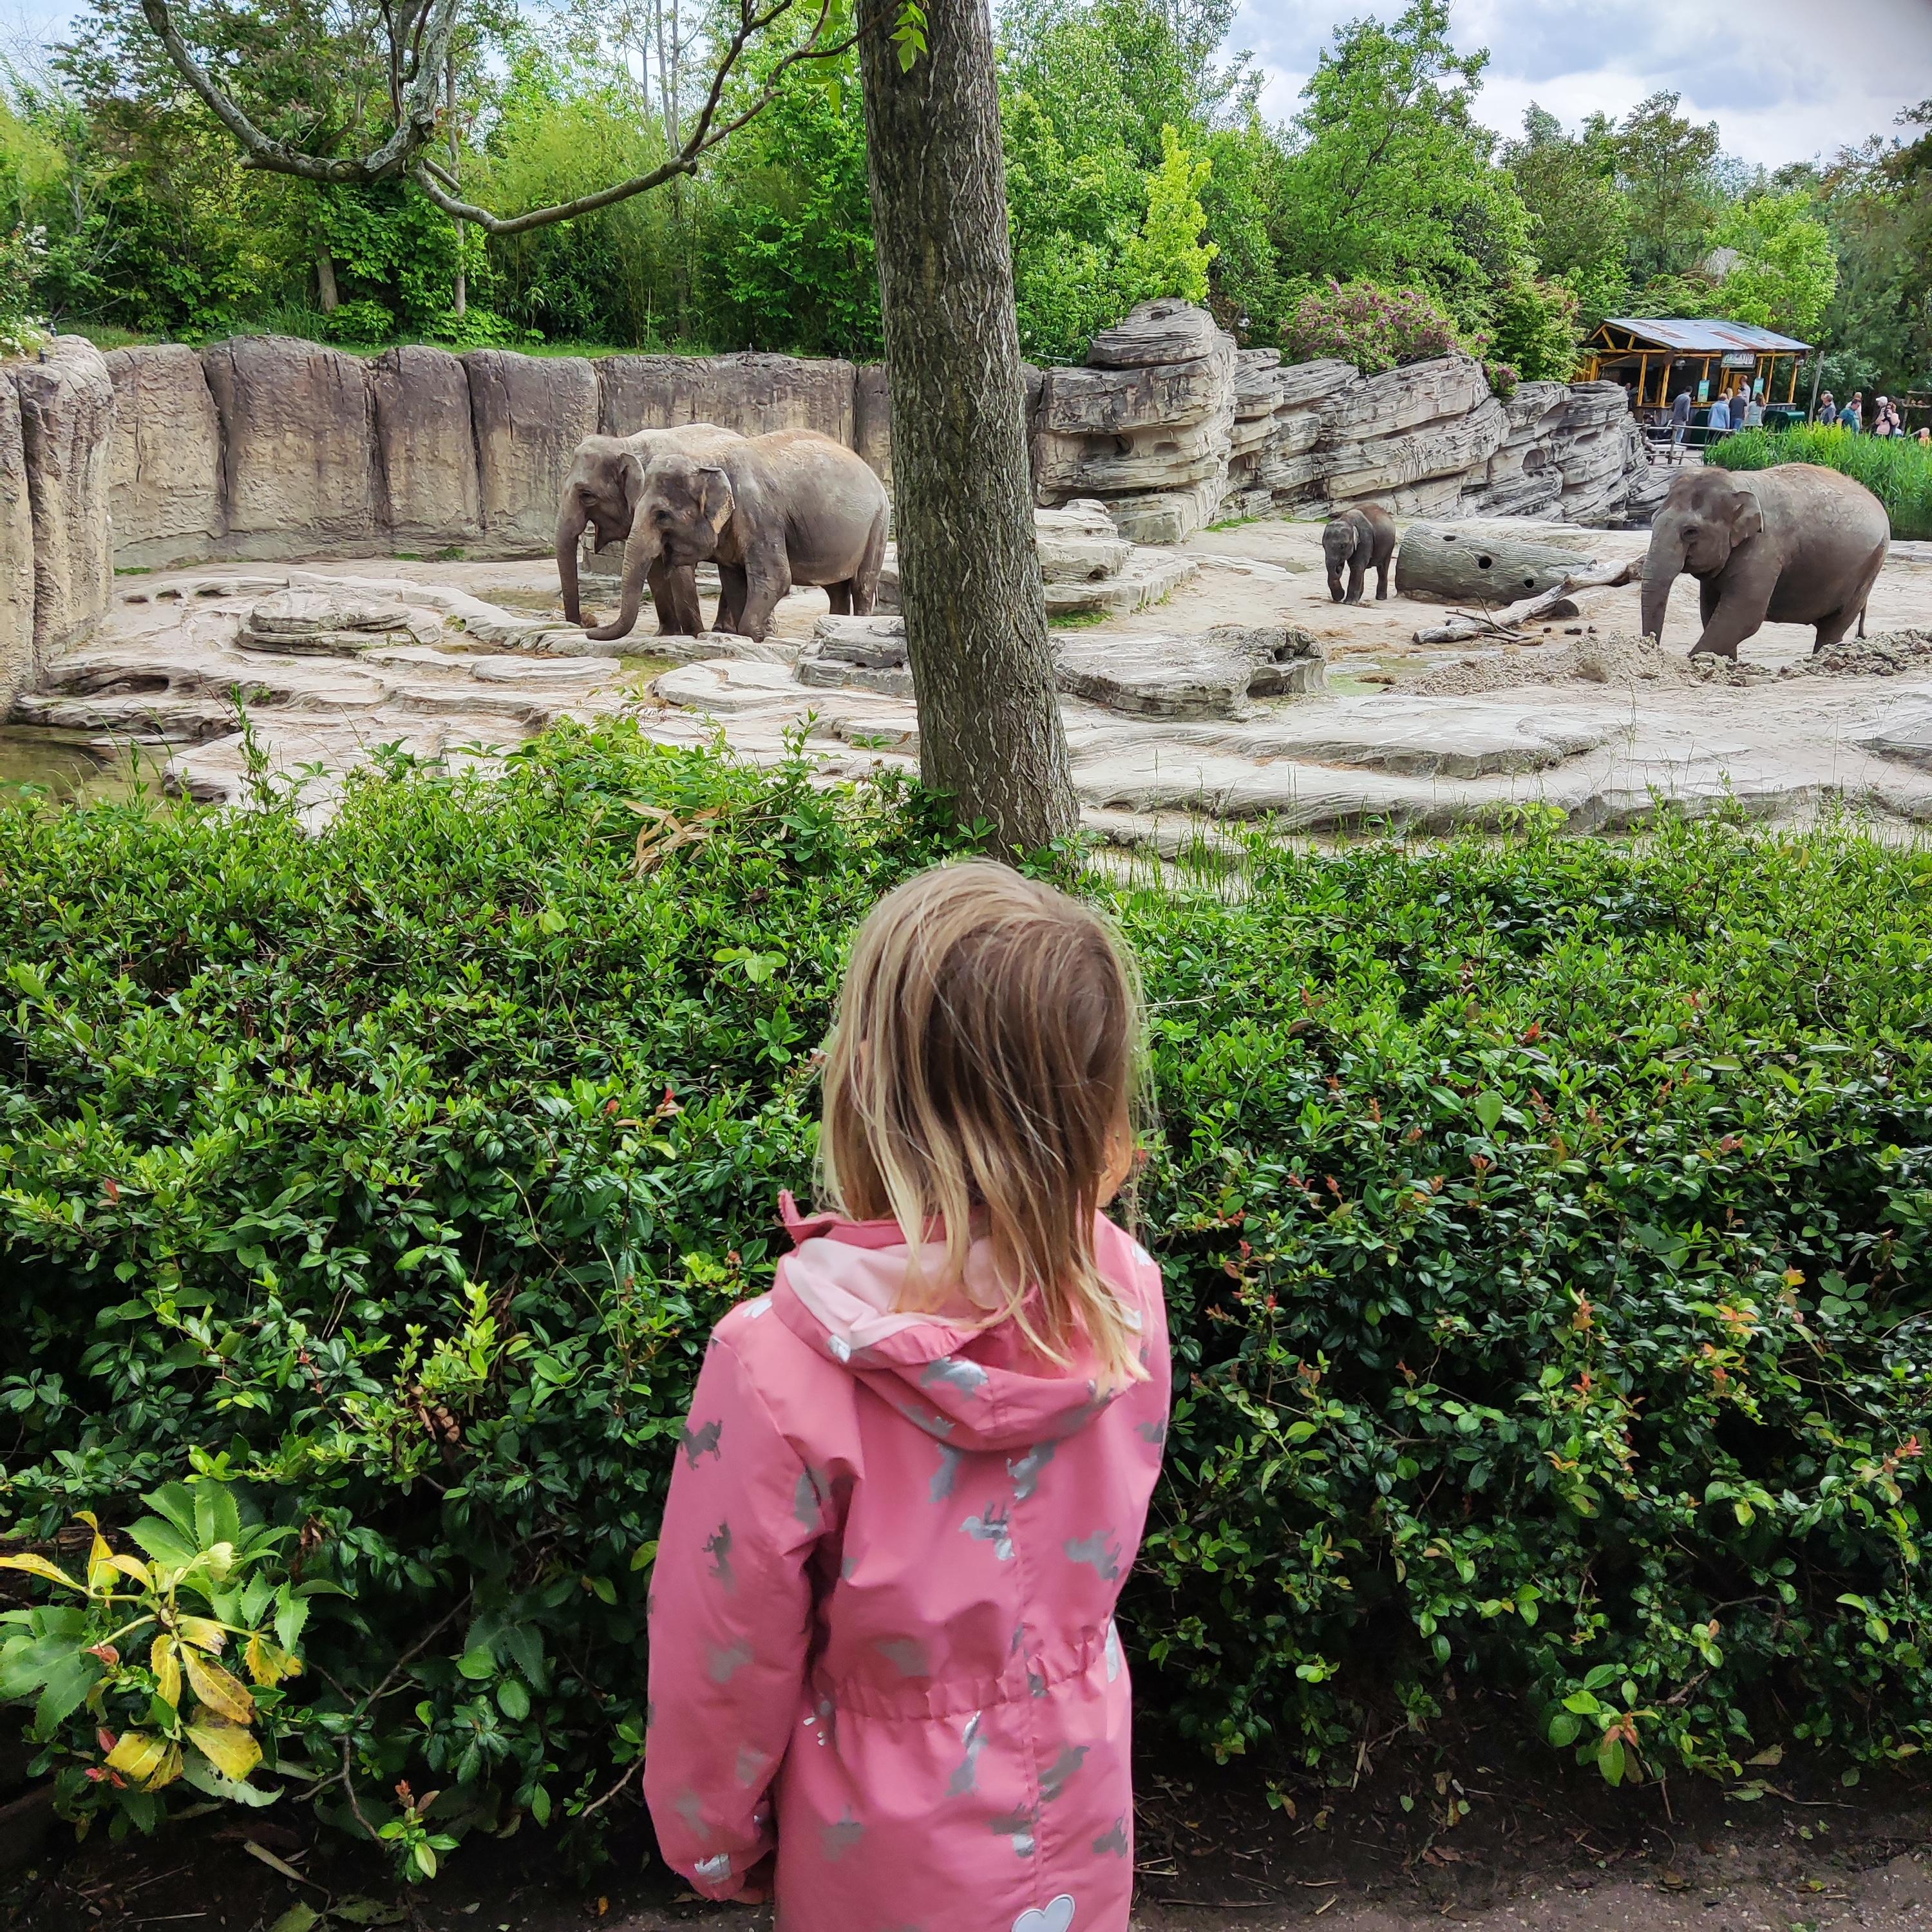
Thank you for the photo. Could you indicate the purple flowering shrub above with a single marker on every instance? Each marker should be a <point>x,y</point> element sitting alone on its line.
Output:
<point>1374,327</point>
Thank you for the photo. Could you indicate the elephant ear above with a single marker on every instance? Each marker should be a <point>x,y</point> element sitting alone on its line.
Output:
<point>1747,518</point>
<point>630,468</point>
<point>716,504</point>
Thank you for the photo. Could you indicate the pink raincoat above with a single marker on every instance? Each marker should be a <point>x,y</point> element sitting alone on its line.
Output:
<point>882,1635</point>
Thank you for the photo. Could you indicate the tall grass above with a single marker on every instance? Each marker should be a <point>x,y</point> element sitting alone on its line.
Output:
<point>1896,470</point>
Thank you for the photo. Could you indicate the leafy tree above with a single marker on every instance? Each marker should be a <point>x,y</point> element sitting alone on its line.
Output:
<point>1391,176</point>
<point>1668,169</point>
<point>787,249</point>
<point>1168,257</point>
<point>563,124</point>
<point>1534,330</point>
<point>1786,269</point>
<point>1243,196</point>
<point>1581,217</point>
<point>1876,200</point>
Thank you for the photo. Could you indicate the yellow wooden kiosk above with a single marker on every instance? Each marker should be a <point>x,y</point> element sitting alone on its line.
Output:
<point>1655,359</point>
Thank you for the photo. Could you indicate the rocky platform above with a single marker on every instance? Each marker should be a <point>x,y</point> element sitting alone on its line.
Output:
<point>1246,696</point>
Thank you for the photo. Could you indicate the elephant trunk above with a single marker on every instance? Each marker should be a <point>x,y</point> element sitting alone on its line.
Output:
<point>1661,569</point>
<point>570,522</point>
<point>1335,582</point>
<point>639,556</point>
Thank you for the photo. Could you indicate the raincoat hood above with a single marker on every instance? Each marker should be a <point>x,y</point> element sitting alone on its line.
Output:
<point>964,1373</point>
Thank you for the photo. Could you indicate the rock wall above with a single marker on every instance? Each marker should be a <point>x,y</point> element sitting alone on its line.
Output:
<point>66,403</point>
<point>1172,425</point>
<point>267,447</point>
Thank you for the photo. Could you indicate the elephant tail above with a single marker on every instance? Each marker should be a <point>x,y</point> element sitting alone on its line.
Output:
<point>871,561</point>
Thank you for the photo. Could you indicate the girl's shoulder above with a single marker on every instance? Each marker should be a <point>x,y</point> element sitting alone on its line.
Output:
<point>1130,1270</point>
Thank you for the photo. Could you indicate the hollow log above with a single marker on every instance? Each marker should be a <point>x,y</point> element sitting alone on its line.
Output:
<point>1556,601</point>
<point>1442,564</point>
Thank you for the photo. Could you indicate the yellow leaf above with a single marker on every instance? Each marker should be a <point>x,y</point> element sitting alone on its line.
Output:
<point>164,1660</point>
<point>226,1696</point>
<point>39,1566</point>
<point>268,1663</point>
<point>204,1633</point>
<point>230,1748</point>
<point>99,1557</point>
<point>134,1569</point>
<point>148,1760</point>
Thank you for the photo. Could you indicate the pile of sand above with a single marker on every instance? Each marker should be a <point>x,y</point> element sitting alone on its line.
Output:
<point>1884,654</point>
<point>1620,659</point>
<point>1617,658</point>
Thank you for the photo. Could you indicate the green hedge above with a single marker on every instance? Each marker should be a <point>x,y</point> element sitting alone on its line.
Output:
<point>1548,1227</point>
<point>1897,470</point>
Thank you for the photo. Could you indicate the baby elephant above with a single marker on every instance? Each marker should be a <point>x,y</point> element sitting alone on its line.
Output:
<point>1359,537</point>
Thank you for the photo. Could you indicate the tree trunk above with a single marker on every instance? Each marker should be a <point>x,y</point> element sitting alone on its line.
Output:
<point>1443,563</point>
<point>325,290</point>
<point>989,724</point>
<point>460,293</point>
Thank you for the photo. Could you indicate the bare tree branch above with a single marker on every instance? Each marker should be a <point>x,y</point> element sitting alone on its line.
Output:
<point>418,33</point>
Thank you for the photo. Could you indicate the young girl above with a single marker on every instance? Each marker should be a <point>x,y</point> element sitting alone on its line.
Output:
<point>915,1473</point>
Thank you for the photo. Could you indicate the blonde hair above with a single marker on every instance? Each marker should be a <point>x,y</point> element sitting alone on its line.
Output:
<point>987,1049</point>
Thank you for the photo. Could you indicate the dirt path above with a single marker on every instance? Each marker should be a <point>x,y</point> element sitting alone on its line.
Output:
<point>1553,1853</point>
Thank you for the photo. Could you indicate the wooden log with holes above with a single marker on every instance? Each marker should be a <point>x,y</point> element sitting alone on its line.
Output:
<point>1554,602</point>
<point>1444,563</point>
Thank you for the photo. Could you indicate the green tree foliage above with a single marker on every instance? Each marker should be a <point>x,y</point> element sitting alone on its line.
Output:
<point>1391,176</point>
<point>1786,271</point>
<point>785,252</point>
<point>1168,257</point>
<point>1383,176</point>
<point>1876,200</point>
<point>1581,217</point>
<point>1667,167</point>
<point>1534,330</point>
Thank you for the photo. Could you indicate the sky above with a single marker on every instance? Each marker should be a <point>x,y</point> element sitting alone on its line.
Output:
<point>1785,80</point>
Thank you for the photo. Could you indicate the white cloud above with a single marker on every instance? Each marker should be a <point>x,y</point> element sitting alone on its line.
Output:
<point>1785,80</point>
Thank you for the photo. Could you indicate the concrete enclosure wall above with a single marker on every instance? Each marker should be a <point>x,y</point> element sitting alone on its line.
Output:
<point>267,447</point>
<point>56,419</point>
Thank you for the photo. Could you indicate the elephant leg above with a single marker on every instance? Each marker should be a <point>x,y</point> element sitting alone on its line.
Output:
<point>1381,581</point>
<point>1830,630</point>
<point>1358,575</point>
<point>663,580</point>
<point>1736,619</point>
<point>674,596</point>
<point>730,598</point>
<point>839,597</point>
<point>767,580</point>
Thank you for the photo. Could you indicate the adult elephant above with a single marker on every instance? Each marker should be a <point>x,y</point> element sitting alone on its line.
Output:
<point>1795,544</point>
<point>603,490</point>
<point>792,507</point>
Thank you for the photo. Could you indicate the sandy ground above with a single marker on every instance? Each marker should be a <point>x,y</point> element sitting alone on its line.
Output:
<point>1372,749</point>
<point>1372,637</point>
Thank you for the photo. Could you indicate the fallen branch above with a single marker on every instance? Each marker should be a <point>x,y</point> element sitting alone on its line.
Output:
<point>1505,623</point>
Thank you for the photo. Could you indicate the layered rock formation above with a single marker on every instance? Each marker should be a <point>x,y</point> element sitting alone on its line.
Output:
<point>56,414</point>
<point>266,447</point>
<point>1147,427</point>
<point>1243,435</point>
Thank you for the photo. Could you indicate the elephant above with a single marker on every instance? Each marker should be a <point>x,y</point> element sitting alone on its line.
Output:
<point>602,490</point>
<point>1796,543</point>
<point>1360,536</point>
<point>792,507</point>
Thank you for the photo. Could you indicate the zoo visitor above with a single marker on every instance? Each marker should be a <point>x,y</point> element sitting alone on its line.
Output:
<point>885,1681</point>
